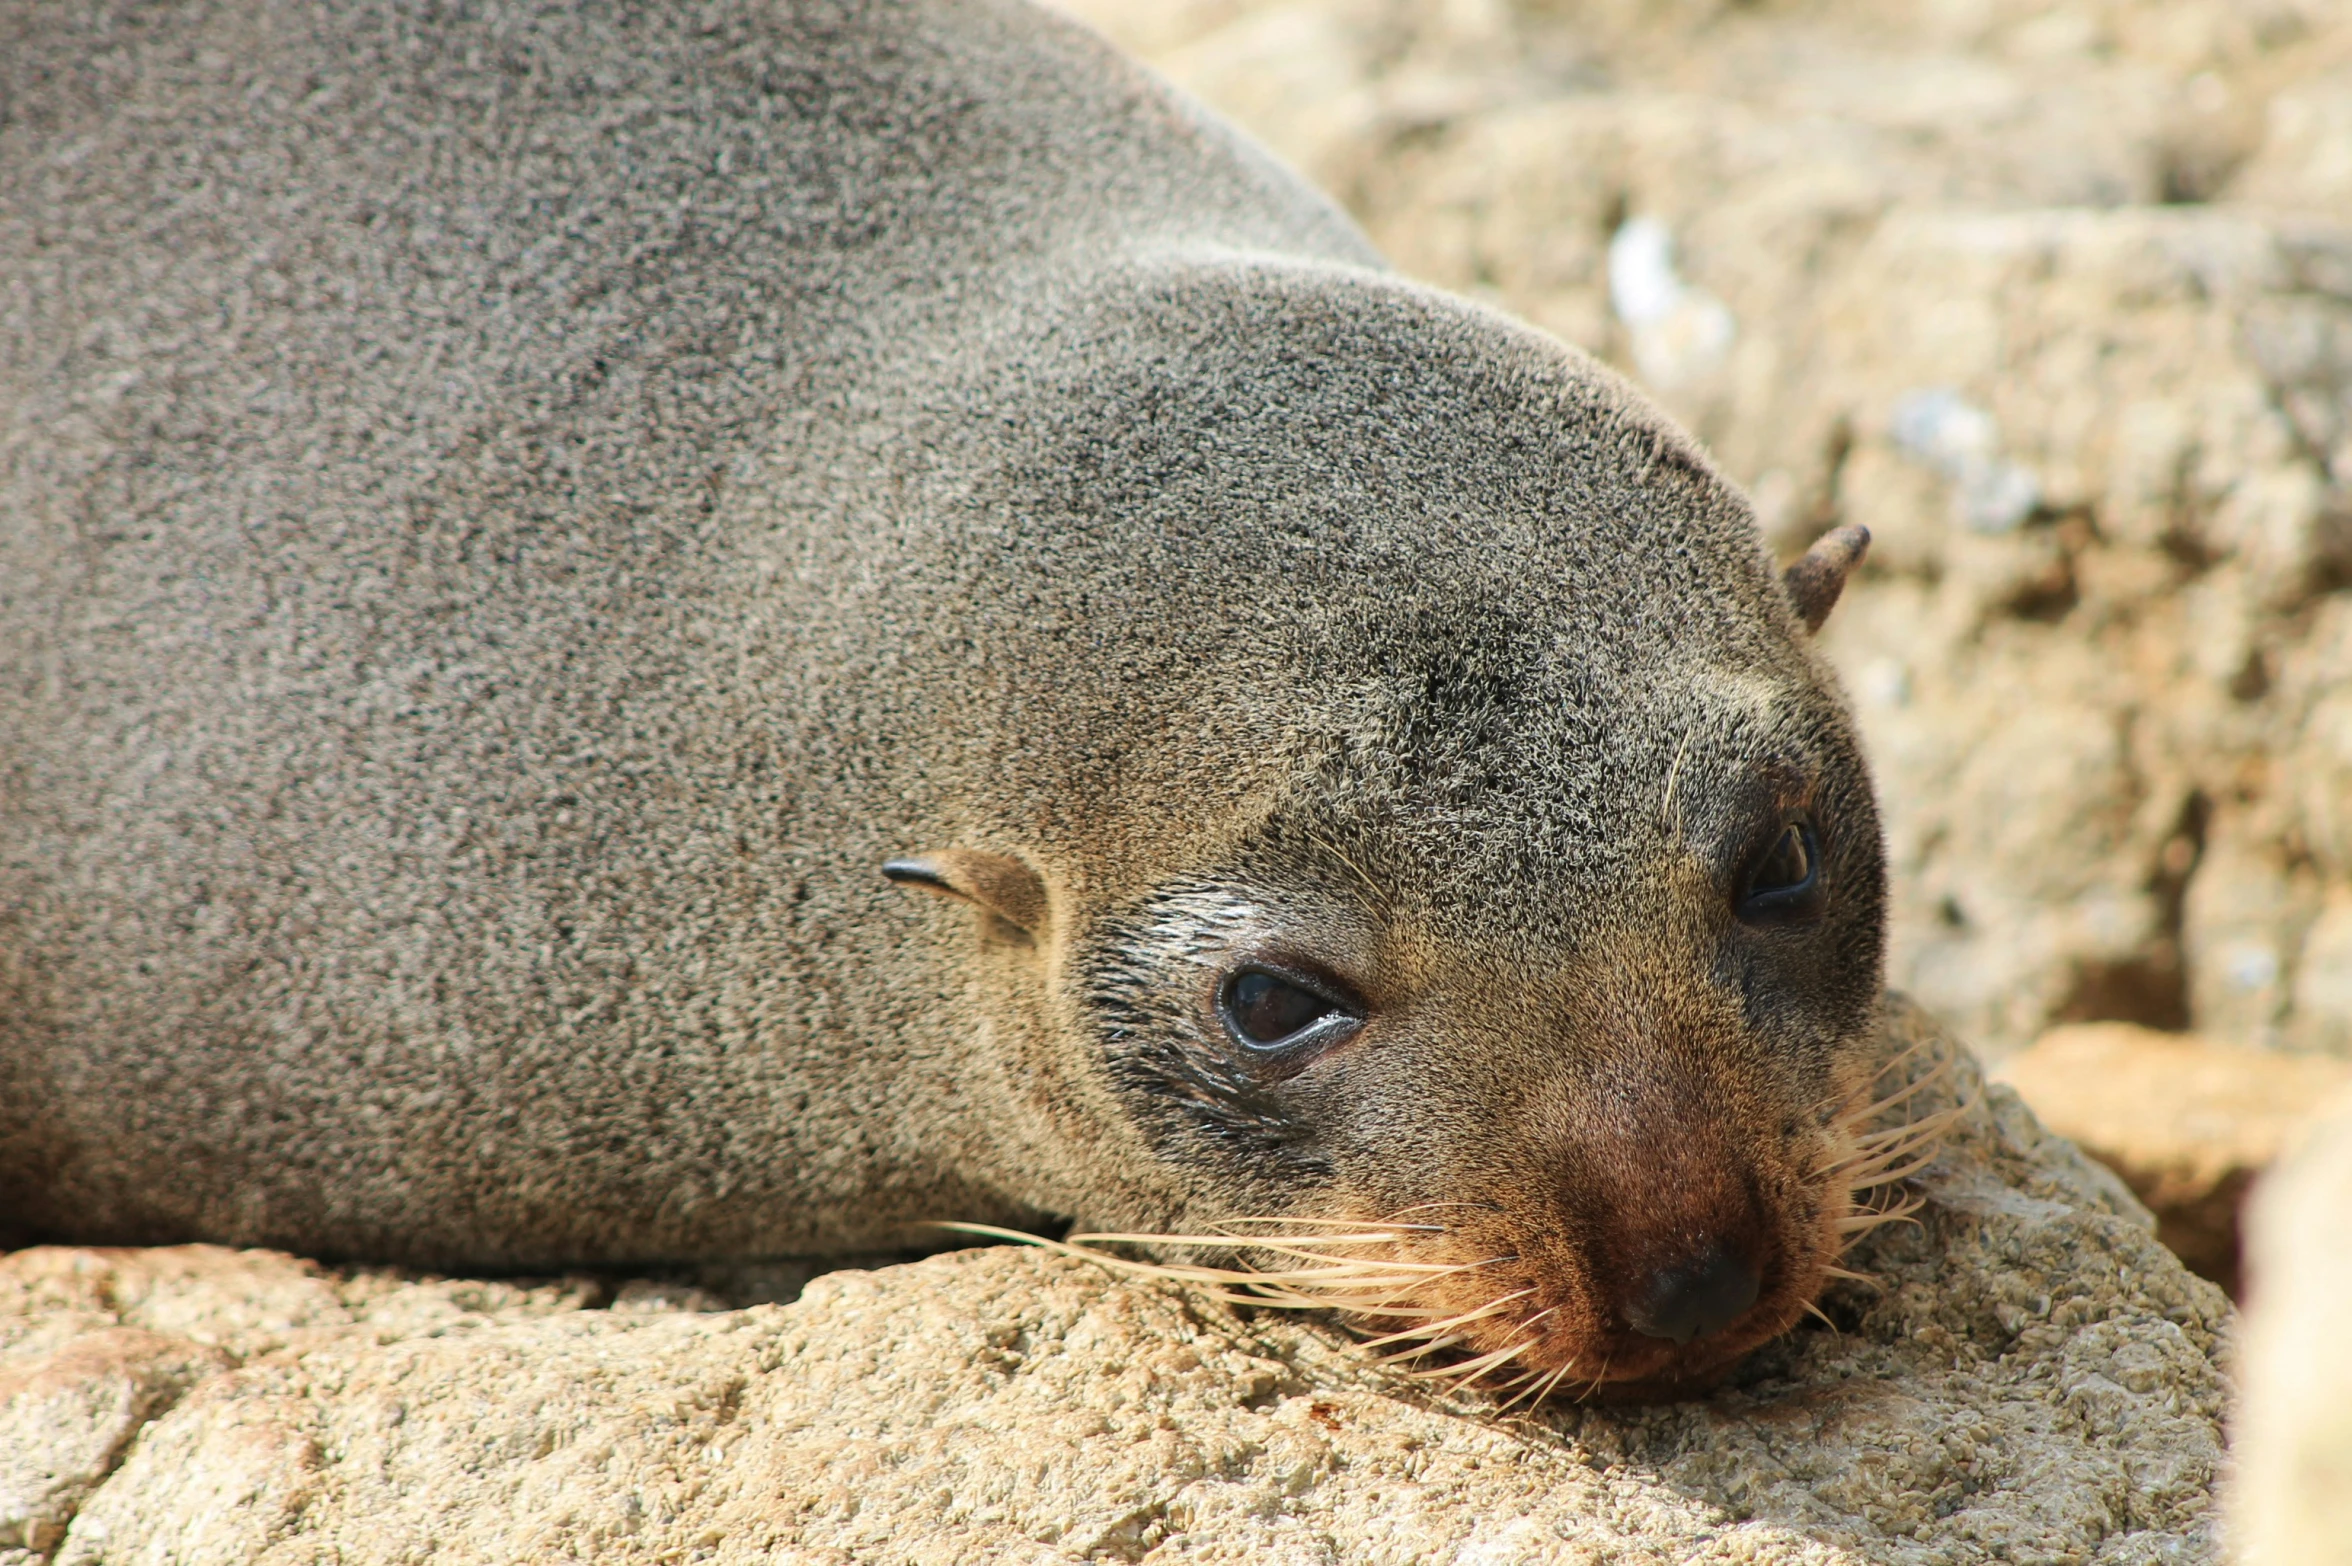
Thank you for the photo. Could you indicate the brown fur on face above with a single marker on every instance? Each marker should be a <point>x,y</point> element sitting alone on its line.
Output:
<point>1671,1140</point>
<point>1494,1320</point>
<point>1672,1172</point>
<point>1664,1145</point>
<point>1429,1294</point>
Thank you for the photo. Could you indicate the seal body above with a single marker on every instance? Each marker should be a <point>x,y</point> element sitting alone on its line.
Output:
<point>511,517</point>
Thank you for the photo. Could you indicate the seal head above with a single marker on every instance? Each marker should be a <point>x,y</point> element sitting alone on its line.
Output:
<point>1485,853</point>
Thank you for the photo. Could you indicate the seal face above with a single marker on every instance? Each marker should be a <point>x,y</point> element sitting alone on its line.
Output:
<point>1383,804</point>
<point>1601,1081</point>
<point>1539,939</point>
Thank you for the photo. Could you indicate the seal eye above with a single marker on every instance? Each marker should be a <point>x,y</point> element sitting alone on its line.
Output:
<point>1266,1010</point>
<point>1785,883</point>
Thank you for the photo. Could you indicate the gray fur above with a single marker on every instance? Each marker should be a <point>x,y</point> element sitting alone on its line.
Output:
<point>512,515</point>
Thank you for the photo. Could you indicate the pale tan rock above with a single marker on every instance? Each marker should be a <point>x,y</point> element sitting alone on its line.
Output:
<point>2244,918</point>
<point>65,1419</point>
<point>2323,973</point>
<point>244,1303</point>
<point>2292,1504</point>
<point>2188,1123</point>
<point>2322,763</point>
<point>94,1344</point>
<point>2305,156</point>
<point>2037,1381</point>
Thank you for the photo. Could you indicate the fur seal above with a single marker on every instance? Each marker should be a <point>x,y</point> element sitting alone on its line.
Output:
<point>520,525</point>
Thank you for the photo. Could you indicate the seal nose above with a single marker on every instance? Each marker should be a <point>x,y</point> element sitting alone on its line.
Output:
<point>1696,1297</point>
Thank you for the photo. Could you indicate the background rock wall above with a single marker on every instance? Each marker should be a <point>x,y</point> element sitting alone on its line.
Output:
<point>2058,300</point>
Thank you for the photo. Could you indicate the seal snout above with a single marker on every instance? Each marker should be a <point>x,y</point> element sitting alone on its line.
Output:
<point>1696,1297</point>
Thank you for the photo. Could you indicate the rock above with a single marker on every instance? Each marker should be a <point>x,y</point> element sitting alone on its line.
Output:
<point>2102,647</point>
<point>244,1303</point>
<point>65,1421</point>
<point>2292,1502</point>
<point>96,1344</point>
<point>2304,158</point>
<point>2188,1123</point>
<point>2032,1378</point>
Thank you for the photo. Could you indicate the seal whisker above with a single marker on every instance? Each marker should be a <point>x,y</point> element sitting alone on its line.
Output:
<point>1908,1052</point>
<point>1667,814</point>
<point>1440,1315</point>
<point>1467,1374</point>
<point>1882,1106</point>
<point>1873,1158</point>
<point>1888,1173</point>
<point>1530,1323</point>
<point>1871,1174</point>
<point>1336,1264</point>
<point>1389,1224</point>
<point>1522,1389</point>
<point>1885,1147</point>
<point>1546,1385</point>
<point>1376,894</point>
<point>1417,1207</point>
<point>1374,1288</point>
<point>1491,1308</point>
<point>1373,1281</point>
<point>1861,1106</point>
<point>1869,1170</point>
<point>1379,1288</point>
<point>1358,1235</point>
<point>1500,1358</point>
<point>1551,1383</point>
<point>1449,1327</point>
<point>1403,1356</point>
<point>1863,1220</point>
<point>1294,1246</point>
<point>1911,1087</point>
<point>1894,1140</point>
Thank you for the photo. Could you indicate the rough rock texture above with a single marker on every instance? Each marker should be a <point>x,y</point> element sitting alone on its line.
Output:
<point>2293,1503</point>
<point>2036,1382</point>
<point>94,1344</point>
<point>2187,1122</point>
<point>2057,298</point>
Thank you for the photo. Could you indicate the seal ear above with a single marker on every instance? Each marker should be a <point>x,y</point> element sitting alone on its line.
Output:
<point>1819,575</point>
<point>997,882</point>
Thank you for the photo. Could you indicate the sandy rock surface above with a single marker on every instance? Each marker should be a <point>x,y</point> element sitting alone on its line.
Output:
<point>2057,299</point>
<point>94,1344</point>
<point>2036,1381</point>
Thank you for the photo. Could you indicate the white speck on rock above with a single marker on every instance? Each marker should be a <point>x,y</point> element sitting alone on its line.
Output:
<point>1940,428</point>
<point>1679,332</point>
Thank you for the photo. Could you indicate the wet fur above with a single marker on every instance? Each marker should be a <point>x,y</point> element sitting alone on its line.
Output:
<point>531,511</point>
